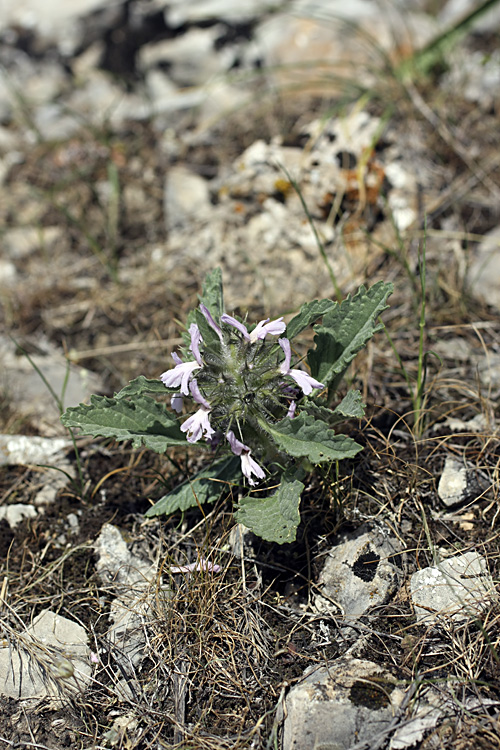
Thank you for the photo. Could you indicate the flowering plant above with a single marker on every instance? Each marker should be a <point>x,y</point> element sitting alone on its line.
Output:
<point>263,422</point>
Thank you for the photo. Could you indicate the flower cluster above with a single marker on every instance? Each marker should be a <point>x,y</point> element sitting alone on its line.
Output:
<point>237,380</point>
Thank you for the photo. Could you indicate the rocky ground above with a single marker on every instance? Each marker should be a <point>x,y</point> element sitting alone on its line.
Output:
<point>143,143</point>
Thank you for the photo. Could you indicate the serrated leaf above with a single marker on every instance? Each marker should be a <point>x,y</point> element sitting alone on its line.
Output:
<point>143,421</point>
<point>141,385</point>
<point>344,331</point>
<point>306,437</point>
<point>351,406</point>
<point>212,294</point>
<point>204,487</point>
<point>309,314</point>
<point>209,336</point>
<point>274,518</point>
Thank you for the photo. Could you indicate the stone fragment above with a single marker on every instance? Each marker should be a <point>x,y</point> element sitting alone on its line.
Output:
<point>16,513</point>
<point>453,590</point>
<point>50,659</point>
<point>334,707</point>
<point>131,577</point>
<point>187,197</point>
<point>27,391</point>
<point>457,484</point>
<point>29,449</point>
<point>484,269</point>
<point>22,241</point>
<point>116,564</point>
<point>361,572</point>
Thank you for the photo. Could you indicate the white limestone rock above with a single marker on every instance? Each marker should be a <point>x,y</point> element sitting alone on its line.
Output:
<point>457,483</point>
<point>484,270</point>
<point>334,707</point>
<point>361,572</point>
<point>453,590</point>
<point>187,197</point>
<point>50,659</point>
<point>16,513</point>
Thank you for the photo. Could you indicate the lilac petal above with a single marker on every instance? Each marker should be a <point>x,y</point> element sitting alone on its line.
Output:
<point>177,402</point>
<point>236,324</point>
<point>305,381</point>
<point>197,395</point>
<point>198,426</point>
<point>274,328</point>
<point>195,342</point>
<point>285,365</point>
<point>291,410</point>
<point>236,446</point>
<point>211,322</point>
<point>202,564</point>
<point>179,376</point>
<point>249,467</point>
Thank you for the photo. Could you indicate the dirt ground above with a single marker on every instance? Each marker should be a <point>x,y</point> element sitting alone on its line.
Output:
<point>224,649</point>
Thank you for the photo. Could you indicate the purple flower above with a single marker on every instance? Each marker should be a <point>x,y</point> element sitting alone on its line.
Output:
<point>202,564</point>
<point>304,381</point>
<point>177,402</point>
<point>263,327</point>
<point>291,410</point>
<point>248,465</point>
<point>182,372</point>
<point>274,328</point>
<point>211,322</point>
<point>198,426</point>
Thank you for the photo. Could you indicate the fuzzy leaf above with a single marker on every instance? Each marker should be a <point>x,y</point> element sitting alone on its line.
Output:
<point>141,385</point>
<point>344,331</point>
<point>351,407</point>
<point>212,295</point>
<point>309,314</point>
<point>306,437</point>
<point>204,487</point>
<point>274,518</point>
<point>143,421</point>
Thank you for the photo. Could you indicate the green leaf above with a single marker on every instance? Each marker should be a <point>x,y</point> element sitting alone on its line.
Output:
<point>141,385</point>
<point>309,314</point>
<point>344,331</point>
<point>143,421</point>
<point>209,336</point>
<point>351,407</point>
<point>212,294</point>
<point>204,487</point>
<point>274,518</point>
<point>306,437</point>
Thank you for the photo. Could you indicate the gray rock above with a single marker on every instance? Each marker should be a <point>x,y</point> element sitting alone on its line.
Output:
<point>484,270</point>
<point>187,197</point>
<point>457,484</point>
<point>50,659</point>
<point>453,590</point>
<point>191,58</point>
<point>360,573</point>
<point>178,12</point>
<point>337,706</point>
<point>130,577</point>
<point>22,241</point>
<point>27,391</point>
<point>52,21</point>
